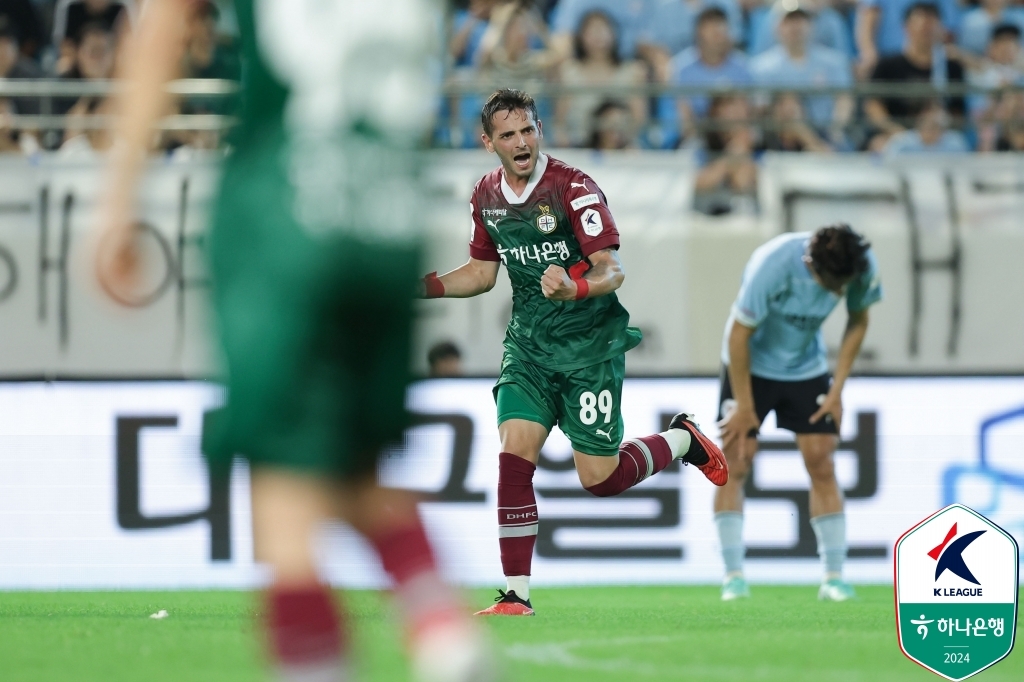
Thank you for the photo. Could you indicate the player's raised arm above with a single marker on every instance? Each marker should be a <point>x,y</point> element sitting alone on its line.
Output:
<point>474,278</point>
<point>153,58</point>
<point>604,276</point>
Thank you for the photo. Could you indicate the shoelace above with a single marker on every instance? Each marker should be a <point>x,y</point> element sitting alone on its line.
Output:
<point>501,596</point>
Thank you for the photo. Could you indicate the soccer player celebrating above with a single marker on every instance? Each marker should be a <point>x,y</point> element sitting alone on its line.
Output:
<point>564,361</point>
<point>774,359</point>
<point>319,192</point>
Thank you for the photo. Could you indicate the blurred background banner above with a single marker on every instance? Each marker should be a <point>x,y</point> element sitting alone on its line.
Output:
<point>102,486</point>
<point>945,230</point>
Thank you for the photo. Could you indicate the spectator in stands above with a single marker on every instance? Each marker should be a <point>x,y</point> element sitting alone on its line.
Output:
<point>930,134</point>
<point>596,62</point>
<point>1001,66</point>
<point>788,129</point>
<point>23,21</point>
<point>631,16</point>
<point>516,45</point>
<point>978,23</point>
<point>795,62</point>
<point>93,60</point>
<point>444,360</point>
<point>999,69</point>
<point>613,127</point>
<point>1011,117</point>
<point>467,28</point>
<point>712,62</point>
<point>671,26</point>
<point>828,26</point>
<point>727,180</point>
<point>923,60</point>
<point>880,28</point>
<point>84,141</point>
<point>206,55</point>
<point>13,140</point>
<point>14,64</point>
<point>72,16</point>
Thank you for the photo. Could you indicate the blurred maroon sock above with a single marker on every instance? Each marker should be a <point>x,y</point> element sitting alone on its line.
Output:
<point>305,633</point>
<point>517,513</point>
<point>424,599</point>
<point>638,459</point>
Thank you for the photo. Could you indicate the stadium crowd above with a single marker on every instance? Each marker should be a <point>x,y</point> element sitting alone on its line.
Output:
<point>72,41</point>
<point>717,44</point>
<point>598,65</point>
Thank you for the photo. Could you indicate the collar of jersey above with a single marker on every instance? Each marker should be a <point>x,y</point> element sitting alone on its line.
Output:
<point>538,173</point>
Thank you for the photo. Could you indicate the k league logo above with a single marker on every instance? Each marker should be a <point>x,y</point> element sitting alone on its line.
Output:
<point>956,592</point>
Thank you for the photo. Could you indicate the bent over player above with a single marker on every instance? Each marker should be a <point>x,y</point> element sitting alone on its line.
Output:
<point>774,358</point>
<point>315,333</point>
<point>565,346</point>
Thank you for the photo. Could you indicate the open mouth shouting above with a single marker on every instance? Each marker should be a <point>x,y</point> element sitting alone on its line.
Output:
<point>522,160</point>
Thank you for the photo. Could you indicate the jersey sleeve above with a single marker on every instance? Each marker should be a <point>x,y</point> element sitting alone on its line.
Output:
<point>866,290</point>
<point>481,246</point>
<point>588,211</point>
<point>761,280</point>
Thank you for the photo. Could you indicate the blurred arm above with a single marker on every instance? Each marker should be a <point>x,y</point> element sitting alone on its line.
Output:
<point>153,56</point>
<point>866,29</point>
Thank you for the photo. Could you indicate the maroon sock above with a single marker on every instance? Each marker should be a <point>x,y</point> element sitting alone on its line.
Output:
<point>517,513</point>
<point>423,598</point>
<point>638,459</point>
<point>404,551</point>
<point>304,629</point>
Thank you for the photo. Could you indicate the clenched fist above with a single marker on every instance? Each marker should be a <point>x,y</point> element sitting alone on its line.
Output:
<point>557,285</point>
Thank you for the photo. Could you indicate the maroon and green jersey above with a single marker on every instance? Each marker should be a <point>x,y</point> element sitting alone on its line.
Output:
<point>561,219</point>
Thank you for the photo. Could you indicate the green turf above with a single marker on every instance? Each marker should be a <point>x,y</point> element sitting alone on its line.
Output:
<point>619,633</point>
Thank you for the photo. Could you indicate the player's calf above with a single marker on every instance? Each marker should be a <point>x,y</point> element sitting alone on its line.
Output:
<point>643,457</point>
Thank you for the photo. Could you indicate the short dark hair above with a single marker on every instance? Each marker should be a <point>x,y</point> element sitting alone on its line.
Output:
<point>1006,31</point>
<point>922,6</point>
<point>838,251</point>
<point>713,13</point>
<point>7,29</point>
<point>442,351</point>
<point>587,18</point>
<point>506,99</point>
<point>89,28</point>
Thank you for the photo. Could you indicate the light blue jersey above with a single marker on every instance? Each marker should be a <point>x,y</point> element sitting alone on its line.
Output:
<point>781,301</point>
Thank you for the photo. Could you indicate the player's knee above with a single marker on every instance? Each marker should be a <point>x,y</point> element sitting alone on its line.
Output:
<point>821,468</point>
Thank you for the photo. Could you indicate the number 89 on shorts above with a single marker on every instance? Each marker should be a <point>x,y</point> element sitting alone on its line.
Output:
<point>591,405</point>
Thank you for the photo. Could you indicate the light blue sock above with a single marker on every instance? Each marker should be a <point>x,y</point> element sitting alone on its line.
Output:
<point>831,532</point>
<point>730,536</point>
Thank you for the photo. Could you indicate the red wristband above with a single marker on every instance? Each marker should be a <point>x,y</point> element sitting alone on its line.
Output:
<point>434,286</point>
<point>582,288</point>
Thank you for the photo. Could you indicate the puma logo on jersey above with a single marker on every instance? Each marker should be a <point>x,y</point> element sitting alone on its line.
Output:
<point>579,184</point>
<point>494,223</point>
<point>603,433</point>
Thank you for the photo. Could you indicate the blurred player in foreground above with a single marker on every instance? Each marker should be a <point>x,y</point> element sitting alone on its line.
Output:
<point>774,358</point>
<point>565,348</point>
<point>315,258</point>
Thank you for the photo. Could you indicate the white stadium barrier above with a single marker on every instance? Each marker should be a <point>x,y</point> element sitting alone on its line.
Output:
<point>683,268</point>
<point>102,486</point>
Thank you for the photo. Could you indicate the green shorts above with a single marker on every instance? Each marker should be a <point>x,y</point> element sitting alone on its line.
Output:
<point>316,332</point>
<point>584,403</point>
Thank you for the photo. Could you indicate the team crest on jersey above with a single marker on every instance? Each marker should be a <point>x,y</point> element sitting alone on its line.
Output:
<point>546,222</point>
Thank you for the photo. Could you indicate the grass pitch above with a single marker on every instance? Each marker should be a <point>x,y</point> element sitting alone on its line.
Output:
<point>595,634</point>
